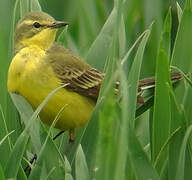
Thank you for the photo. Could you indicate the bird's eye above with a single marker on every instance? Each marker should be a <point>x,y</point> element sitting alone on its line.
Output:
<point>37,25</point>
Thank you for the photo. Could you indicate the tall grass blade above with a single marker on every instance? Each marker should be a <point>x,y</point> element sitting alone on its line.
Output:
<point>121,146</point>
<point>15,158</point>
<point>1,142</point>
<point>134,148</point>
<point>54,167</point>
<point>2,176</point>
<point>102,43</point>
<point>68,175</point>
<point>179,11</point>
<point>139,159</point>
<point>89,142</point>
<point>81,169</point>
<point>178,126</point>
<point>25,110</point>
<point>162,110</point>
<point>24,7</point>
<point>183,42</point>
<point>180,173</point>
<point>183,51</point>
<point>56,164</point>
<point>134,77</point>
<point>35,6</point>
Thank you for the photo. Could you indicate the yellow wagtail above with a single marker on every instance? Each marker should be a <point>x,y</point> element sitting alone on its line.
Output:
<point>40,65</point>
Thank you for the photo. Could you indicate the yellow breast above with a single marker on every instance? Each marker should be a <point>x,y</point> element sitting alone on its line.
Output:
<point>32,77</point>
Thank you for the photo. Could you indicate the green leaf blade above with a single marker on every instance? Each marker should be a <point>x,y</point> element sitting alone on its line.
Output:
<point>162,110</point>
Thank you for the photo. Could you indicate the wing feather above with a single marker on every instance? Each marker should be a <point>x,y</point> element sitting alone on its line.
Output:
<point>78,75</point>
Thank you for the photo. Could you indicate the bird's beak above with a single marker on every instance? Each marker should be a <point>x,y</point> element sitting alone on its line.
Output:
<point>58,24</point>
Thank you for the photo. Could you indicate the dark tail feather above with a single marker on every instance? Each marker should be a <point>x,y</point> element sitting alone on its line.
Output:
<point>150,82</point>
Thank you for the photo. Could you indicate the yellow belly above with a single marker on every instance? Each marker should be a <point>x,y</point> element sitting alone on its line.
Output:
<point>34,79</point>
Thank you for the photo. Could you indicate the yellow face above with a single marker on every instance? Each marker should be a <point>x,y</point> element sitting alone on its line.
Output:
<point>36,28</point>
<point>42,38</point>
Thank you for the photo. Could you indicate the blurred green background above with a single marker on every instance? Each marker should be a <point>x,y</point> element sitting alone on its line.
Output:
<point>157,147</point>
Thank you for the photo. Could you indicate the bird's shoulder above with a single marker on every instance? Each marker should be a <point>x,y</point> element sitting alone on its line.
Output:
<point>62,59</point>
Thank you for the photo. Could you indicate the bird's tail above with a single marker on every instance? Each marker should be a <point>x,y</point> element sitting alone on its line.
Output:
<point>149,84</point>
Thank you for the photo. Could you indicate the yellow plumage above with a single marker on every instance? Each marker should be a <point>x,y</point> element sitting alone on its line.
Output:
<point>35,79</point>
<point>31,74</point>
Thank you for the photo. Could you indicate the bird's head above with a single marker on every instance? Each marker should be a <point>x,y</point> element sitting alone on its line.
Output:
<point>36,28</point>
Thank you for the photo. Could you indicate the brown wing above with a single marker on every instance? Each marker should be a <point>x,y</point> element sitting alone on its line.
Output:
<point>86,83</point>
<point>74,72</point>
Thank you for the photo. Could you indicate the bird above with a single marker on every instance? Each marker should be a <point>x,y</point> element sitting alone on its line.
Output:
<point>40,65</point>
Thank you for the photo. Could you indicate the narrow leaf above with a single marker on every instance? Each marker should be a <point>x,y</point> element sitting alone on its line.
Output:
<point>181,163</point>
<point>133,78</point>
<point>162,111</point>
<point>81,169</point>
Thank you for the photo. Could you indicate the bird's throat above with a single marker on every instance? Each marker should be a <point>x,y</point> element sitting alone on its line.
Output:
<point>42,40</point>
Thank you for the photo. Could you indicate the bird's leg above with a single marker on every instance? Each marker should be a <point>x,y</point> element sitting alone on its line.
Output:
<point>71,140</point>
<point>71,135</point>
<point>28,168</point>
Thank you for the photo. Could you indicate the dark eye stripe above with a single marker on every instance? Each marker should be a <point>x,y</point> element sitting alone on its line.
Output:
<point>37,25</point>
